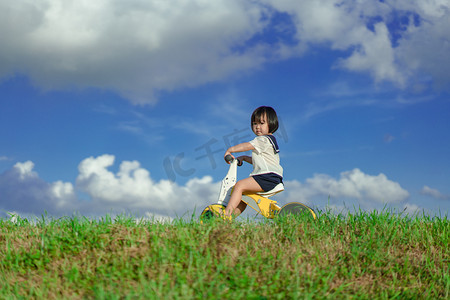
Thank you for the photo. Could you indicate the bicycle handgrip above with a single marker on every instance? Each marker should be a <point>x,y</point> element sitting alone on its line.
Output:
<point>229,158</point>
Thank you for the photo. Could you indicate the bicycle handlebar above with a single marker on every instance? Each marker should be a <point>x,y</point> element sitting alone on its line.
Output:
<point>229,158</point>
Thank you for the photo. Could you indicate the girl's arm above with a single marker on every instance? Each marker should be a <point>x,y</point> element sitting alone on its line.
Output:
<point>245,158</point>
<point>239,148</point>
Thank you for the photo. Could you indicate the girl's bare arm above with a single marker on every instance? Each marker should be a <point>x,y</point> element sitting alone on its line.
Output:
<point>246,158</point>
<point>240,148</point>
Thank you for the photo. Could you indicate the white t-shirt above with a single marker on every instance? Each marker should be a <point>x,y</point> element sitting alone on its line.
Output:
<point>264,158</point>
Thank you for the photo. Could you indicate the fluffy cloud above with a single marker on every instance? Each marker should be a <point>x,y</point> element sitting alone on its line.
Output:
<point>368,190</point>
<point>386,38</point>
<point>343,25</point>
<point>21,189</point>
<point>425,46</point>
<point>134,47</point>
<point>426,190</point>
<point>139,48</point>
<point>131,189</point>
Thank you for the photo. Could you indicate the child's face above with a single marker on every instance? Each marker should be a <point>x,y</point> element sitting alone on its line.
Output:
<point>261,126</point>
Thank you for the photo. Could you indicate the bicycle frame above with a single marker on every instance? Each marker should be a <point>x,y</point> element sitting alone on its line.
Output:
<point>257,201</point>
<point>265,206</point>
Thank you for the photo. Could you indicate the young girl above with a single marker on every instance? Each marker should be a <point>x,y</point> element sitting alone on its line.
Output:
<point>267,172</point>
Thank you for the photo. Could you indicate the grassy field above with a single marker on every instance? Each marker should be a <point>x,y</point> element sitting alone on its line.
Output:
<point>364,256</point>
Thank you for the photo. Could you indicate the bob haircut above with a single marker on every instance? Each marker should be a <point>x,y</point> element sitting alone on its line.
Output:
<point>271,117</point>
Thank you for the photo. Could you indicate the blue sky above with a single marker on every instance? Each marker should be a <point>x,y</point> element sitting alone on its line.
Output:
<point>128,106</point>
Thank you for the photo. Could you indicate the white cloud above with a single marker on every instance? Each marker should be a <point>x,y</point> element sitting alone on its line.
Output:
<point>426,190</point>
<point>139,48</point>
<point>343,25</point>
<point>414,48</point>
<point>425,47</point>
<point>376,56</point>
<point>22,189</point>
<point>134,47</point>
<point>25,170</point>
<point>354,184</point>
<point>132,190</point>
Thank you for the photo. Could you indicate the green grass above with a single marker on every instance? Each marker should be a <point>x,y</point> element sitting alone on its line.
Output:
<point>361,256</point>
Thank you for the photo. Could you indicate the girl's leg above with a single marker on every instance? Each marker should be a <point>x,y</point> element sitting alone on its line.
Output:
<point>240,208</point>
<point>247,185</point>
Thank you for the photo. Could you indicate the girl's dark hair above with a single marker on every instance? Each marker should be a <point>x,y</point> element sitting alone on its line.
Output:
<point>271,117</point>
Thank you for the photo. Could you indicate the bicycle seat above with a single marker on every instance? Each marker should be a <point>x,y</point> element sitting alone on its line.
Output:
<point>278,188</point>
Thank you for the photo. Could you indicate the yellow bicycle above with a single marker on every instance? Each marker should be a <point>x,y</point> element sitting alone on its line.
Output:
<point>260,201</point>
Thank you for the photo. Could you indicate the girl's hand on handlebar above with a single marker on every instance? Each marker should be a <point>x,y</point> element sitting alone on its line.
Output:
<point>228,161</point>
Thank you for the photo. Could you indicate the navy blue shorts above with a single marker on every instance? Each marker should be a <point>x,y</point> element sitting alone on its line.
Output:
<point>268,181</point>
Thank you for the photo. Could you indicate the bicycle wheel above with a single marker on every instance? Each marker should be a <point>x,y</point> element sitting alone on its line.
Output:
<point>296,208</point>
<point>211,211</point>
